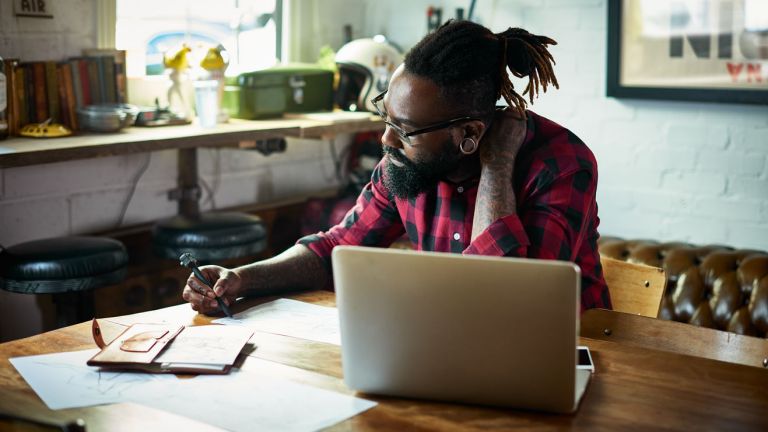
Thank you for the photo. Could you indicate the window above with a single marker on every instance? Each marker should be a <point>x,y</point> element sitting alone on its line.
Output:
<point>249,31</point>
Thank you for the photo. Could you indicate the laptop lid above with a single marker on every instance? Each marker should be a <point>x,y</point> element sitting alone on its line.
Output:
<point>471,329</point>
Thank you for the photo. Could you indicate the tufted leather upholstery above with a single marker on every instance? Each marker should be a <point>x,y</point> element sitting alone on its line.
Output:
<point>711,286</point>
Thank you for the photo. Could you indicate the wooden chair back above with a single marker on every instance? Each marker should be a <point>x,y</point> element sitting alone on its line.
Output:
<point>676,337</point>
<point>634,288</point>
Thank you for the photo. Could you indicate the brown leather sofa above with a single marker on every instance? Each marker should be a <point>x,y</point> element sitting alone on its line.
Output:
<point>712,286</point>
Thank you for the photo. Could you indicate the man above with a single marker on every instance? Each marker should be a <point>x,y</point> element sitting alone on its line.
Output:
<point>458,175</point>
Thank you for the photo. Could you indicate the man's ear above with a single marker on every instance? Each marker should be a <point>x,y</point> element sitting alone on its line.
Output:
<point>474,129</point>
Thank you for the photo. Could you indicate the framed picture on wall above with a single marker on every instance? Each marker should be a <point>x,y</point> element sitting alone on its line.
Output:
<point>688,50</point>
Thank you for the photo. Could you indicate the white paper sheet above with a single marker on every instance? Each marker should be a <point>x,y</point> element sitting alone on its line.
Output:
<point>208,344</point>
<point>179,314</point>
<point>291,318</point>
<point>247,401</point>
<point>240,401</point>
<point>63,380</point>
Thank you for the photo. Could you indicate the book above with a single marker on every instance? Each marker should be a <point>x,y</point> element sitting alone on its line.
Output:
<point>114,72</point>
<point>109,86</point>
<point>52,91</point>
<point>83,81</point>
<point>172,348</point>
<point>61,93</point>
<point>40,90</point>
<point>94,80</point>
<point>67,96</point>
<point>29,93</point>
<point>11,66</point>
<point>20,93</point>
<point>77,83</point>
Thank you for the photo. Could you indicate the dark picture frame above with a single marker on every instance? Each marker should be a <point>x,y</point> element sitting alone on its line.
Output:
<point>716,51</point>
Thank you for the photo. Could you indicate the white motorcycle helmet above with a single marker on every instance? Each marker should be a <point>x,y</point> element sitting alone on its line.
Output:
<point>365,67</point>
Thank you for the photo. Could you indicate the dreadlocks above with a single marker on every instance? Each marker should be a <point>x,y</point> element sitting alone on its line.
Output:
<point>469,63</point>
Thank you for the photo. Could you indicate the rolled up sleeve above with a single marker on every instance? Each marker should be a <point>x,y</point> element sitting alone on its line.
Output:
<point>373,221</point>
<point>548,226</point>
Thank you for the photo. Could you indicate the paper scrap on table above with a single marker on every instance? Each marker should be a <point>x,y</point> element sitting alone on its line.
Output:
<point>247,401</point>
<point>63,380</point>
<point>291,318</point>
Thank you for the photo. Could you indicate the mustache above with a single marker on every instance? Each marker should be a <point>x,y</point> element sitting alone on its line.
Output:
<point>396,155</point>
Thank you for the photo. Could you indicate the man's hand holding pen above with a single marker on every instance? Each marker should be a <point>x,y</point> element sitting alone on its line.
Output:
<point>224,286</point>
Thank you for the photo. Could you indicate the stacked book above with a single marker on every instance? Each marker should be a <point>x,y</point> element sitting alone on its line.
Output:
<point>41,90</point>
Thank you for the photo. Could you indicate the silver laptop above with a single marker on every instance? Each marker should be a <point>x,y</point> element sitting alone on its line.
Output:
<point>469,329</point>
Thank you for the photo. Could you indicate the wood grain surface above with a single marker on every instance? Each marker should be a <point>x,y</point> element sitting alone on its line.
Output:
<point>634,288</point>
<point>675,337</point>
<point>633,388</point>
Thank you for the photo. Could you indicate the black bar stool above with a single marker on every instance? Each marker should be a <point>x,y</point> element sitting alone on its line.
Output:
<point>210,237</point>
<point>69,268</point>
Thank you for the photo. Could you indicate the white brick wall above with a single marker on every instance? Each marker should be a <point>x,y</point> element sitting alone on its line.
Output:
<point>87,196</point>
<point>694,172</point>
<point>72,28</point>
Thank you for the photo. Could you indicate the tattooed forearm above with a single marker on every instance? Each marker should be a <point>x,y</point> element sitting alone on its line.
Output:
<point>296,268</point>
<point>498,152</point>
<point>495,197</point>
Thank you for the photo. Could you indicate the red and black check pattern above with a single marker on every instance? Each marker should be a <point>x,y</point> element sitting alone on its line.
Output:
<point>555,184</point>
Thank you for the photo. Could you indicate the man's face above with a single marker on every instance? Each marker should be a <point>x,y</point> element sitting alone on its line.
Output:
<point>413,167</point>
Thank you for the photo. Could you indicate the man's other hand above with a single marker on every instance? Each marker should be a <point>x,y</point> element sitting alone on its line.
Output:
<point>501,144</point>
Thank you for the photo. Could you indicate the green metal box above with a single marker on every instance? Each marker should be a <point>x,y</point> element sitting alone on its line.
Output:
<point>292,88</point>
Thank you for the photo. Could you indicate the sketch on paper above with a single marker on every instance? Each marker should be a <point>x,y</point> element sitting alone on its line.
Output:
<point>291,318</point>
<point>246,401</point>
<point>210,344</point>
<point>63,380</point>
<point>240,401</point>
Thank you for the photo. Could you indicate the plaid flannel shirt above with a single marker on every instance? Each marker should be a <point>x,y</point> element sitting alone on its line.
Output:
<point>555,181</point>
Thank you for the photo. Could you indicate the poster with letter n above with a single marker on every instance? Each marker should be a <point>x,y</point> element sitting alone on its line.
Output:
<point>688,50</point>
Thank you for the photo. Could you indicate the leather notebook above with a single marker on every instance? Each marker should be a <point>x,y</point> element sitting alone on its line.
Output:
<point>171,348</point>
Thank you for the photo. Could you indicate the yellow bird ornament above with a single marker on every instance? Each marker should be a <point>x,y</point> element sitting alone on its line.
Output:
<point>214,60</point>
<point>178,63</point>
<point>179,60</point>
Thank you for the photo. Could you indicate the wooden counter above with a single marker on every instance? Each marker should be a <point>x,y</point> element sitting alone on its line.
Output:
<point>15,152</point>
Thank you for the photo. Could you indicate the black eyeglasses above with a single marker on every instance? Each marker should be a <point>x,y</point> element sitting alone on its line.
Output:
<point>406,136</point>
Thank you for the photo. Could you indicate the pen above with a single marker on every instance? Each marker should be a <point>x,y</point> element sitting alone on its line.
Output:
<point>187,260</point>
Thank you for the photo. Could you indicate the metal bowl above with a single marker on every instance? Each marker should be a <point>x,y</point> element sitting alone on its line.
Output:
<point>106,117</point>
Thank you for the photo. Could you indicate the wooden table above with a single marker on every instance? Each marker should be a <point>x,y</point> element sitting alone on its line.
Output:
<point>633,388</point>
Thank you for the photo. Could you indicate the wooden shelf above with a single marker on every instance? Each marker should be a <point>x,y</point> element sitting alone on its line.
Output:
<point>16,152</point>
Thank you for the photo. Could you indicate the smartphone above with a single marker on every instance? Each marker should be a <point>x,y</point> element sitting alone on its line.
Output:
<point>584,359</point>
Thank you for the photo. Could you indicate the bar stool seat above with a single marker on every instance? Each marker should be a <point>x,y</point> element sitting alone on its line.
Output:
<point>210,237</point>
<point>70,268</point>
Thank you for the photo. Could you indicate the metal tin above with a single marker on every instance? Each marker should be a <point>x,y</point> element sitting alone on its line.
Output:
<point>106,117</point>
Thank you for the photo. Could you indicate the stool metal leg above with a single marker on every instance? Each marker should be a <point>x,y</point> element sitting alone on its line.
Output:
<point>73,307</point>
<point>189,205</point>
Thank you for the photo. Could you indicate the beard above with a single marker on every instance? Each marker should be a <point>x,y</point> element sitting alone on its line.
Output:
<point>415,177</point>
